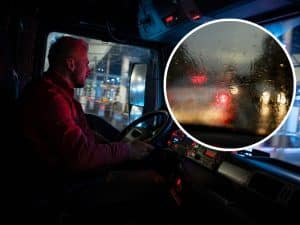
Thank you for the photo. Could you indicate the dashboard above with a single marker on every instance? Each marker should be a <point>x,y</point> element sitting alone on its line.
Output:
<point>184,146</point>
<point>256,175</point>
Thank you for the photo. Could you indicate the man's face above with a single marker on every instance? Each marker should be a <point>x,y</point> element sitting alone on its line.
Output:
<point>82,70</point>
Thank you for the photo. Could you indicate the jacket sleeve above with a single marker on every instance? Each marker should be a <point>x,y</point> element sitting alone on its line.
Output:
<point>77,148</point>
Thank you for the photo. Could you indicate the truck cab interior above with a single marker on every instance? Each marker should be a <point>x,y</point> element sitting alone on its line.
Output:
<point>130,42</point>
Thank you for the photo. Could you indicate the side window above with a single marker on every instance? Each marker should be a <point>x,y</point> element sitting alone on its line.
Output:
<point>115,90</point>
<point>288,32</point>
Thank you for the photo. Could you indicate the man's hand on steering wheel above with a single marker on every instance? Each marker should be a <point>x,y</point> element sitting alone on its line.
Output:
<point>139,150</point>
<point>132,132</point>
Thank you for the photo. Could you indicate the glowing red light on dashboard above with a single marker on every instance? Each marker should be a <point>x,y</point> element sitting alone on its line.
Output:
<point>196,17</point>
<point>178,185</point>
<point>210,153</point>
<point>178,133</point>
<point>169,19</point>
<point>178,182</point>
<point>199,79</point>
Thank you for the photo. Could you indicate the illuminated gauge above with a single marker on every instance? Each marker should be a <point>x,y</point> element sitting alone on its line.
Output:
<point>177,136</point>
<point>195,145</point>
<point>190,153</point>
<point>176,139</point>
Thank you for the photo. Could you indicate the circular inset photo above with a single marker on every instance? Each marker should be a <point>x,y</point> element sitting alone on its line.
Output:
<point>229,84</point>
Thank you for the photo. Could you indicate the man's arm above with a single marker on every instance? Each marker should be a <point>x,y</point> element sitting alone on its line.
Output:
<point>100,138</point>
<point>78,150</point>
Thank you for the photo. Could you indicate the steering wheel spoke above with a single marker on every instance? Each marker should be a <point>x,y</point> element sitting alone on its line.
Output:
<point>141,130</point>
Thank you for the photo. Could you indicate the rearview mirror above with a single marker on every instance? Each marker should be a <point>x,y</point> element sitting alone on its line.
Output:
<point>137,84</point>
<point>137,90</point>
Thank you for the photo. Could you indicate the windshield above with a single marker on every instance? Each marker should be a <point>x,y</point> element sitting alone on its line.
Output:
<point>230,77</point>
<point>285,144</point>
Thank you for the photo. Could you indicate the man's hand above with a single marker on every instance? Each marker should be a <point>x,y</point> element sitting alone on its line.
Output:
<point>139,149</point>
<point>100,138</point>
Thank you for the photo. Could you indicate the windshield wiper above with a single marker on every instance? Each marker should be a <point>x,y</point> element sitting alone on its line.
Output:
<point>261,156</point>
<point>255,153</point>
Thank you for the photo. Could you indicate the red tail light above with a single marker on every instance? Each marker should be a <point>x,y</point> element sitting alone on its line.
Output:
<point>223,98</point>
<point>199,79</point>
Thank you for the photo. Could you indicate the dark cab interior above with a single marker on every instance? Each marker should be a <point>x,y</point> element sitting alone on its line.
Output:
<point>130,43</point>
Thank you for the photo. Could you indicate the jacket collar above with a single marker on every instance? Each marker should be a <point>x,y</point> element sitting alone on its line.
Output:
<point>58,80</point>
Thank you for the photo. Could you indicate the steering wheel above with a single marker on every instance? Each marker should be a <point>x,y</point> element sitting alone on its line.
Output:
<point>162,159</point>
<point>133,132</point>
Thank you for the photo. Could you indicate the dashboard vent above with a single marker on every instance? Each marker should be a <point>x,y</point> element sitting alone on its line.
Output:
<point>265,185</point>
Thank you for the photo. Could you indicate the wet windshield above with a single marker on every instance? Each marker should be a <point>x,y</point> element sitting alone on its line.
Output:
<point>240,79</point>
<point>284,145</point>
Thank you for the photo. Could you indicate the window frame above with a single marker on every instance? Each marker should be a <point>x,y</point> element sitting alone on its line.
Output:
<point>153,91</point>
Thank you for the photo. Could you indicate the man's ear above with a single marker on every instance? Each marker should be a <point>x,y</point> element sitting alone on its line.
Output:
<point>70,63</point>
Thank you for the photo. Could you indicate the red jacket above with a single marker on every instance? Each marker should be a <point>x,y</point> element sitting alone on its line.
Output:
<point>55,124</point>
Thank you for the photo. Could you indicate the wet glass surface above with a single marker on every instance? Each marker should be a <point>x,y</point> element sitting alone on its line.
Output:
<point>230,75</point>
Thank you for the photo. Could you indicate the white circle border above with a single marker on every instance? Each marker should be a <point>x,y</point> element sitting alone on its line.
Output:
<point>165,84</point>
